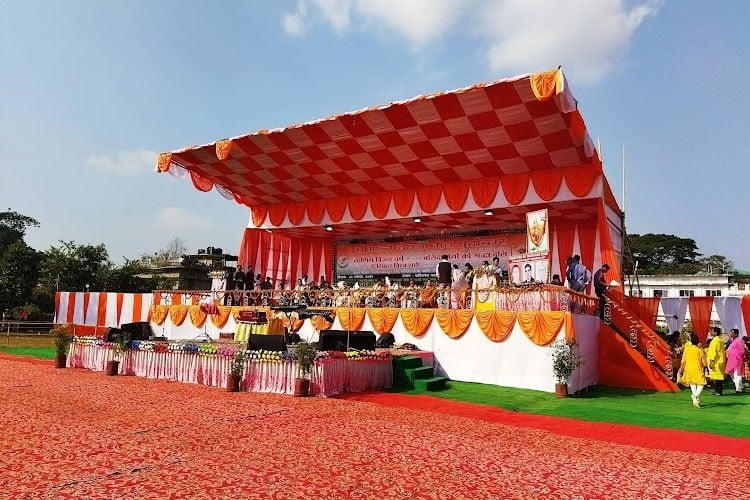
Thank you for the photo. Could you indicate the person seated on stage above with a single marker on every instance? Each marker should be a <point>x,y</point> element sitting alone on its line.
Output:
<point>469,273</point>
<point>324,284</point>
<point>556,280</point>
<point>378,292</point>
<point>427,296</point>
<point>258,280</point>
<point>267,285</point>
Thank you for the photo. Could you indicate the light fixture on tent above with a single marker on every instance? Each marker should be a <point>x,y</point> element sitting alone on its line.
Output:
<point>488,212</point>
<point>417,219</point>
<point>269,231</point>
<point>329,227</point>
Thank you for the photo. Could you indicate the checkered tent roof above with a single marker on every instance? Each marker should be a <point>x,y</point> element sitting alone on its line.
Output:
<point>490,129</point>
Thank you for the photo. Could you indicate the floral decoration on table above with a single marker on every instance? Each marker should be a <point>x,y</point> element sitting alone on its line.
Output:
<point>354,355</point>
<point>229,351</point>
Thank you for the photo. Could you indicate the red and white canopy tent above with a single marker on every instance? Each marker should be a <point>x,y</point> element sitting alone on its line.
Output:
<point>451,158</point>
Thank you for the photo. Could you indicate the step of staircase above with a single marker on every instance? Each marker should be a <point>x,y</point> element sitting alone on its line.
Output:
<point>421,372</point>
<point>430,384</point>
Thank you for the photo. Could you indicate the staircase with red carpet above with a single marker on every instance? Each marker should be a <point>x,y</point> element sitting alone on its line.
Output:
<point>631,354</point>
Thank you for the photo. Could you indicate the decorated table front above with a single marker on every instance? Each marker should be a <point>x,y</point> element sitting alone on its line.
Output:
<point>330,375</point>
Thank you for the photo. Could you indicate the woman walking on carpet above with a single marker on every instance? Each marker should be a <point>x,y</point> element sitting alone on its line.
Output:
<point>692,368</point>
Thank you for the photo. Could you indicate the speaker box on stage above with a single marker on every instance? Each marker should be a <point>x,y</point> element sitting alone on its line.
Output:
<point>110,334</point>
<point>138,331</point>
<point>340,340</point>
<point>257,342</point>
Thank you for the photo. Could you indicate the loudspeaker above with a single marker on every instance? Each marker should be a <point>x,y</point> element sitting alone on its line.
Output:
<point>111,333</point>
<point>266,342</point>
<point>386,340</point>
<point>339,340</point>
<point>138,331</point>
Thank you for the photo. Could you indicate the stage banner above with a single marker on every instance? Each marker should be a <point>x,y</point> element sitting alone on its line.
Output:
<point>418,258</point>
<point>537,234</point>
<point>529,268</point>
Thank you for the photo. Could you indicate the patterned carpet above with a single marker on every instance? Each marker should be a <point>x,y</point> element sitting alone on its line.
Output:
<point>66,433</point>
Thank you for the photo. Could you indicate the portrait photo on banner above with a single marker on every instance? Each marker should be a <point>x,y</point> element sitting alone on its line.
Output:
<point>537,235</point>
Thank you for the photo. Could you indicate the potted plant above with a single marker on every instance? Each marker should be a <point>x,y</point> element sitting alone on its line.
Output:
<point>63,339</point>
<point>306,353</point>
<point>236,370</point>
<point>565,360</point>
<point>120,345</point>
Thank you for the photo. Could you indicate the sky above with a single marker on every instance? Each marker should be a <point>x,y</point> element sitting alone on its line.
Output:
<point>91,91</point>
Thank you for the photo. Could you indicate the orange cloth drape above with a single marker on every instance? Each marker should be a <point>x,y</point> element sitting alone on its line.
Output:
<point>417,321</point>
<point>200,183</point>
<point>580,179</point>
<point>219,320</point>
<point>177,314</point>
<point>380,203</point>
<point>545,85</point>
<point>745,307</point>
<point>159,313</point>
<point>646,308</point>
<point>383,319</point>
<point>496,325</point>
<point>315,209</point>
<point>357,206</point>
<point>700,315</point>
<point>335,208</point>
<point>351,318</point>
<point>276,214</point>
<point>197,316</point>
<point>547,182</point>
<point>429,197</point>
<point>320,323</point>
<point>484,191</point>
<point>403,201</point>
<point>258,215</point>
<point>541,328</point>
<point>454,322</point>
<point>295,212</point>
<point>515,187</point>
<point>456,194</point>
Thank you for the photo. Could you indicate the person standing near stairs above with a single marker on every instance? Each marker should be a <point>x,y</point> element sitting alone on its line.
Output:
<point>716,356</point>
<point>693,368</point>
<point>736,359</point>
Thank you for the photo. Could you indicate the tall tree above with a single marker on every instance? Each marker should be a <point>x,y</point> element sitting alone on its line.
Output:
<point>13,227</point>
<point>70,267</point>
<point>663,254</point>
<point>19,270</point>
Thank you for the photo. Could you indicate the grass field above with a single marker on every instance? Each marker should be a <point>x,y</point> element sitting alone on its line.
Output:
<point>728,415</point>
<point>37,346</point>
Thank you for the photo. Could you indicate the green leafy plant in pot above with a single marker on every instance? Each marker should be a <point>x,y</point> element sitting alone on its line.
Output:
<point>565,360</point>
<point>306,354</point>
<point>120,347</point>
<point>236,370</point>
<point>63,339</point>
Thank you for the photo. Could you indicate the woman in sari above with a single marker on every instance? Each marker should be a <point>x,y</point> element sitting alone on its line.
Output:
<point>693,368</point>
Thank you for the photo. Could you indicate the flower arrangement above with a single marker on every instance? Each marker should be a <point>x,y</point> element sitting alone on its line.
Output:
<point>565,359</point>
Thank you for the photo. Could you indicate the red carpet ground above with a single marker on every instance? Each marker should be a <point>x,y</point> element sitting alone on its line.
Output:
<point>70,433</point>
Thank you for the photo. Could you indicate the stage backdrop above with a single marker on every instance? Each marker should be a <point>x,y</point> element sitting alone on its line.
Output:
<point>417,259</point>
